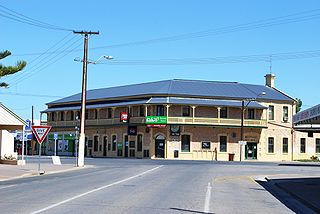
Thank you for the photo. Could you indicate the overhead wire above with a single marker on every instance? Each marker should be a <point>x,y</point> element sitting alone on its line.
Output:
<point>218,60</point>
<point>13,15</point>
<point>49,62</point>
<point>36,61</point>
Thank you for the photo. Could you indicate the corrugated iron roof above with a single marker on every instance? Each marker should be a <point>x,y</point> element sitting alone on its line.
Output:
<point>9,118</point>
<point>186,88</point>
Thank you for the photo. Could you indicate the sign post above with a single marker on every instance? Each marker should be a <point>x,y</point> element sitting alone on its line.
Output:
<point>55,136</point>
<point>241,142</point>
<point>40,132</point>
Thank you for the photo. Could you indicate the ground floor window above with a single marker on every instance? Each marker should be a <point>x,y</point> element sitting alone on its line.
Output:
<point>302,145</point>
<point>185,143</point>
<point>145,153</point>
<point>317,145</point>
<point>139,142</point>
<point>285,145</point>
<point>95,143</point>
<point>114,142</point>
<point>223,143</point>
<point>270,145</point>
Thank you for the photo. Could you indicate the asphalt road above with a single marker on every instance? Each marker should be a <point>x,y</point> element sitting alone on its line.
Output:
<point>148,186</point>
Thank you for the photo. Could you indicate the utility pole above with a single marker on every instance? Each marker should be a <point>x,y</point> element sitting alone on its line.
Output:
<point>83,96</point>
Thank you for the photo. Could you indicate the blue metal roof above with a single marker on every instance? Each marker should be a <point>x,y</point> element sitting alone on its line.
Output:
<point>184,88</point>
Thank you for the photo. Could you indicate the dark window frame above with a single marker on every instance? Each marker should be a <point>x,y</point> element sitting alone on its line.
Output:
<point>302,145</point>
<point>139,142</point>
<point>114,142</point>
<point>271,112</point>
<point>251,113</point>
<point>285,145</point>
<point>223,143</point>
<point>186,111</point>
<point>185,143</point>
<point>317,145</point>
<point>224,112</point>
<point>95,143</point>
<point>271,145</point>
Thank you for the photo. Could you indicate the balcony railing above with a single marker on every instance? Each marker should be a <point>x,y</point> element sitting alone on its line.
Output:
<point>215,121</point>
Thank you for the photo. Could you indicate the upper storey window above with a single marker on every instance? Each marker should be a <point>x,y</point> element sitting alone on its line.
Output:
<point>271,112</point>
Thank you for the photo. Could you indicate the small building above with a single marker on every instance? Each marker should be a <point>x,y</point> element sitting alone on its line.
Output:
<point>179,119</point>
<point>9,122</point>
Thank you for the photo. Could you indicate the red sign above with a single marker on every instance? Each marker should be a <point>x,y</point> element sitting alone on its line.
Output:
<point>156,125</point>
<point>124,117</point>
<point>40,132</point>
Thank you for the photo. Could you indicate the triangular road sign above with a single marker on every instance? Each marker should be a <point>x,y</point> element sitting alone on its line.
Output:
<point>40,132</point>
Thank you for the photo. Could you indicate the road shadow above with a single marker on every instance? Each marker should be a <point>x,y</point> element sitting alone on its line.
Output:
<point>304,190</point>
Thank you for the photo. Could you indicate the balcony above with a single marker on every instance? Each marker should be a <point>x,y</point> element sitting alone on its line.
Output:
<point>216,121</point>
<point>97,122</point>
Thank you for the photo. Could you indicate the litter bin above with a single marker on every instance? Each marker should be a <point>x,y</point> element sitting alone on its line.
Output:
<point>231,156</point>
<point>176,153</point>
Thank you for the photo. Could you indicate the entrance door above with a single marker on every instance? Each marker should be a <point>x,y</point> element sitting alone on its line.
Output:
<point>126,146</point>
<point>251,151</point>
<point>159,148</point>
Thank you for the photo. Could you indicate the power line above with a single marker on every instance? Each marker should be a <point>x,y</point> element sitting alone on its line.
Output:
<point>13,15</point>
<point>219,60</point>
<point>38,59</point>
<point>29,95</point>
<point>291,18</point>
<point>45,64</point>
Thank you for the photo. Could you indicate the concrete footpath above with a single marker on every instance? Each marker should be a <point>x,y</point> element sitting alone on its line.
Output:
<point>9,172</point>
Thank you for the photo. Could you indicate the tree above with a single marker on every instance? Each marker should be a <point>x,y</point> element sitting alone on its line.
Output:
<point>298,105</point>
<point>7,70</point>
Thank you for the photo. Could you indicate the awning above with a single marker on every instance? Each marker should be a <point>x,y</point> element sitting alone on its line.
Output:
<point>166,100</point>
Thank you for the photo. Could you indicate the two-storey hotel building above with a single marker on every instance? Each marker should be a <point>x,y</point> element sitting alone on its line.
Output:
<point>179,119</point>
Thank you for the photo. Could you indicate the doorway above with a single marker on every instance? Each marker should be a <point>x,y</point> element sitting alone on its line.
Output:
<point>160,146</point>
<point>105,142</point>
<point>251,151</point>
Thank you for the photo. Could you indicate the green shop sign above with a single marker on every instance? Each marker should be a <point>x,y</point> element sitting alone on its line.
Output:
<point>156,120</point>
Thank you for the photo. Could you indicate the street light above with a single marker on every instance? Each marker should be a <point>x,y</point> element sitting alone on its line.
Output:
<point>83,100</point>
<point>94,62</point>
<point>243,108</point>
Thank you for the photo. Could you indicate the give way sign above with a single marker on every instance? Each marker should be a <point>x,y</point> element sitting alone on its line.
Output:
<point>40,132</point>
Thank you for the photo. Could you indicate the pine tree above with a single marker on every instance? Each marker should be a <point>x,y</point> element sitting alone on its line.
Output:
<point>7,70</point>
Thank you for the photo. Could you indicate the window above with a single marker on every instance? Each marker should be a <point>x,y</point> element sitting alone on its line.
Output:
<point>185,143</point>
<point>317,145</point>
<point>251,113</point>
<point>145,153</point>
<point>95,113</point>
<point>302,145</point>
<point>285,113</point>
<point>53,116</point>
<point>223,112</point>
<point>87,114</point>
<point>141,111</point>
<point>71,115</point>
<point>132,144</point>
<point>139,140</point>
<point>109,114</point>
<point>270,145</point>
<point>95,143</point>
<point>114,142</point>
<point>206,145</point>
<point>160,110</point>
<point>62,116</point>
<point>285,145</point>
<point>185,111</point>
<point>223,143</point>
<point>271,112</point>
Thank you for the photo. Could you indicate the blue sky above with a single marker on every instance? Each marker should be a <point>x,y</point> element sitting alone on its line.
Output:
<point>122,22</point>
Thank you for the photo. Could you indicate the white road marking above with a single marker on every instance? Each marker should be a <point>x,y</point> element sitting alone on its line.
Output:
<point>208,197</point>
<point>94,190</point>
<point>4,187</point>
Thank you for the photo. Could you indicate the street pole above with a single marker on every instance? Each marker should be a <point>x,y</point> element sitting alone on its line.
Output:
<point>241,131</point>
<point>55,147</point>
<point>83,96</point>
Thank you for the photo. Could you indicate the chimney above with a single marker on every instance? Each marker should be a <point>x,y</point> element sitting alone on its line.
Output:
<point>270,80</point>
